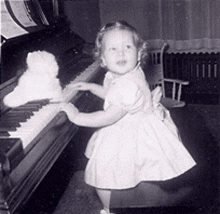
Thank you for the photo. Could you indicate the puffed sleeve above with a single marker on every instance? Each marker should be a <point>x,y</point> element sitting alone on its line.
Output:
<point>127,95</point>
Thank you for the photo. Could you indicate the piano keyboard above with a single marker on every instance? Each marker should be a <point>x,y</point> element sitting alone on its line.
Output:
<point>34,121</point>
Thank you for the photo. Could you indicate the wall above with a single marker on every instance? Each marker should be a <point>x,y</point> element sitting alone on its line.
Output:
<point>184,24</point>
<point>83,17</point>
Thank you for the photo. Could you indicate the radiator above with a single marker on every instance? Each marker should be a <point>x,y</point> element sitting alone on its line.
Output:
<point>202,70</point>
<point>192,65</point>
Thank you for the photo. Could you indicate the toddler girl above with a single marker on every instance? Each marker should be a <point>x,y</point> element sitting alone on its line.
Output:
<point>137,139</point>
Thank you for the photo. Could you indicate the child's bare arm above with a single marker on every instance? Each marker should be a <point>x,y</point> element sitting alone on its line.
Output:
<point>94,88</point>
<point>95,119</point>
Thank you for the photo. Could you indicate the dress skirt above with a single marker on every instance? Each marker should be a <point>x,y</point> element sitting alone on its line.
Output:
<point>147,148</point>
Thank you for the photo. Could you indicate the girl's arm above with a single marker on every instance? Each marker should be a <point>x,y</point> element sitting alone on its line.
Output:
<point>94,88</point>
<point>98,90</point>
<point>95,119</point>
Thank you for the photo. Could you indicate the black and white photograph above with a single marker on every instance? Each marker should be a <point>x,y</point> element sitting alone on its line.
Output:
<point>110,107</point>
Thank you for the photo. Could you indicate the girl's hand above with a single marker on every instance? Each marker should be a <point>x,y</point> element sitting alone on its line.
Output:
<point>94,88</point>
<point>70,110</point>
<point>81,86</point>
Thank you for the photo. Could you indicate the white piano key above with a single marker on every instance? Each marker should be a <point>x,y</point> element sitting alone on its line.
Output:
<point>35,124</point>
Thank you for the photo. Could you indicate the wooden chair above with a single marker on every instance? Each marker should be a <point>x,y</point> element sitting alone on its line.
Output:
<point>155,77</point>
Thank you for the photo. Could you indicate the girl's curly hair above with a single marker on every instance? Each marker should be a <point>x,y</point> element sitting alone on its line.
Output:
<point>122,25</point>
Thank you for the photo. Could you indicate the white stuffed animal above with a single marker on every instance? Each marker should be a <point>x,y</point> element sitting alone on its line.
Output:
<point>38,82</point>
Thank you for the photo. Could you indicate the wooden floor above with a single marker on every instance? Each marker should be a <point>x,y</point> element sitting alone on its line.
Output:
<point>198,126</point>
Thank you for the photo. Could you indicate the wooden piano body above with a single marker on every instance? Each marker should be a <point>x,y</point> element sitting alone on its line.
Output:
<point>22,167</point>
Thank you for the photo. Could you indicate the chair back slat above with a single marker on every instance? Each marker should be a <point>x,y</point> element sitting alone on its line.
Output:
<point>171,89</point>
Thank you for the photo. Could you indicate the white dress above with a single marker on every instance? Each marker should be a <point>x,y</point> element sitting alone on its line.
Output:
<point>143,146</point>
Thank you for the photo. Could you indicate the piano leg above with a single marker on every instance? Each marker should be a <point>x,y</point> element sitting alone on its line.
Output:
<point>4,170</point>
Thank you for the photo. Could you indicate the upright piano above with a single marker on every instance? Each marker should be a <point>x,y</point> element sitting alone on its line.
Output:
<point>32,136</point>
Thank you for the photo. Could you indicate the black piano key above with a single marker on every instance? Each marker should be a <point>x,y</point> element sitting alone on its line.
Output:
<point>10,123</point>
<point>27,108</point>
<point>39,102</point>
<point>12,120</point>
<point>33,105</point>
<point>4,134</point>
<point>15,115</point>
<point>7,128</point>
<point>17,119</point>
<point>20,111</point>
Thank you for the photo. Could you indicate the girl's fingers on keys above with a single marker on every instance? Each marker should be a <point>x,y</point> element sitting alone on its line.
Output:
<point>63,106</point>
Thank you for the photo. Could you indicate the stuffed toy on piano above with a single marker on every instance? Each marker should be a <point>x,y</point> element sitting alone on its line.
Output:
<point>39,81</point>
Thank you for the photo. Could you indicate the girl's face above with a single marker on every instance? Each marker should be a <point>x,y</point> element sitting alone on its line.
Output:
<point>119,53</point>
